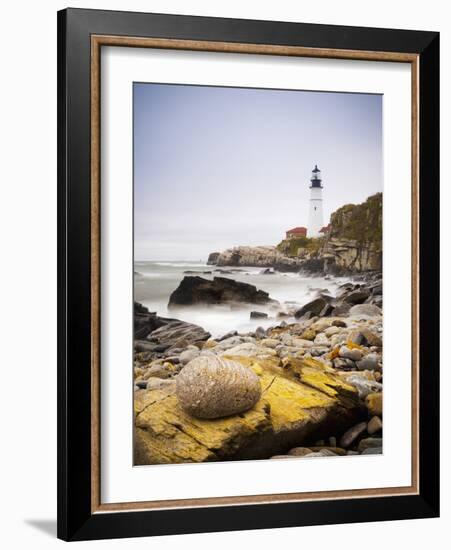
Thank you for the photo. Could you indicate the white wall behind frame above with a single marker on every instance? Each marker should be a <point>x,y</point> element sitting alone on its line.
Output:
<point>28,227</point>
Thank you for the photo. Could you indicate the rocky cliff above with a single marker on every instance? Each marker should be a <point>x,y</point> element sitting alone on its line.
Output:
<point>353,244</point>
<point>256,256</point>
<point>355,238</point>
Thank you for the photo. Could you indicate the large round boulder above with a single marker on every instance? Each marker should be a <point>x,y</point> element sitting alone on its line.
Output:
<point>214,387</point>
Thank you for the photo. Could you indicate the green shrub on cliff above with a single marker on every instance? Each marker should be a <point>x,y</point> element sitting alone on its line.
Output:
<point>291,247</point>
<point>359,222</point>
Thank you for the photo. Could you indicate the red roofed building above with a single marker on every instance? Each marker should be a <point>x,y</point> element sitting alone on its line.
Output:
<point>296,232</point>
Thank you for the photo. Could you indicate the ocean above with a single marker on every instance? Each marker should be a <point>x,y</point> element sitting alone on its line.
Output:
<point>154,282</point>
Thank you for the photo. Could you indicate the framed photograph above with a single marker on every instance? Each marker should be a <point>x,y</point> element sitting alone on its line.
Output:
<point>248,274</point>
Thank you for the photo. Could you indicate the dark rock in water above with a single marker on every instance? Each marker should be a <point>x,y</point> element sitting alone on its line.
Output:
<point>258,315</point>
<point>212,387</point>
<point>314,307</point>
<point>196,290</point>
<point>177,334</point>
<point>213,258</point>
<point>356,296</point>
<point>327,310</point>
<point>145,321</point>
<point>191,272</point>
<point>268,271</point>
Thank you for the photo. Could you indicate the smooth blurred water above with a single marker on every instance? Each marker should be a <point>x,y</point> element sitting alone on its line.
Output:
<point>155,281</point>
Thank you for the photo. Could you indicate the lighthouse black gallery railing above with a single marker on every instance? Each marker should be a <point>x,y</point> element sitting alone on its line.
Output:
<point>82,513</point>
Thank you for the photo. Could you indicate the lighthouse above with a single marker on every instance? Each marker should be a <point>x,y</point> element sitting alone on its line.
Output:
<point>315,219</point>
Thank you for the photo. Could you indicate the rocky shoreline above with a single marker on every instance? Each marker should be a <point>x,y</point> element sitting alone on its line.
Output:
<point>310,385</point>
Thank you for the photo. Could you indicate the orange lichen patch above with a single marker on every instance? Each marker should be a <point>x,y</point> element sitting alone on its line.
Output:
<point>352,345</point>
<point>334,353</point>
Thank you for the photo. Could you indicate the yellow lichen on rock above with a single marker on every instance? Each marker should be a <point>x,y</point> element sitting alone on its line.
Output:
<point>165,433</point>
<point>374,404</point>
<point>300,397</point>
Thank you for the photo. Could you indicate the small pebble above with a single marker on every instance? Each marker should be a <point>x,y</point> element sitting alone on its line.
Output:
<point>299,451</point>
<point>370,443</point>
<point>347,353</point>
<point>348,438</point>
<point>369,362</point>
<point>374,425</point>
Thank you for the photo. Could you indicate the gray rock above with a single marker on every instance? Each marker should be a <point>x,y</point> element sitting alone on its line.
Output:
<point>377,289</point>
<point>315,307</point>
<point>249,349</point>
<point>348,438</point>
<point>178,334</point>
<point>269,342</point>
<point>330,331</point>
<point>363,385</point>
<point>258,315</point>
<point>301,343</point>
<point>212,387</point>
<point>230,342</point>
<point>341,308</point>
<point>344,364</point>
<point>188,355</point>
<point>260,332</point>
<point>369,362</point>
<point>321,339</point>
<point>356,296</point>
<point>365,310</point>
<point>318,350</point>
<point>227,335</point>
<point>348,353</point>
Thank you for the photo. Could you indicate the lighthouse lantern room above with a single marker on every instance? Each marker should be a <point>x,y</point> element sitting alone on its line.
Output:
<point>315,221</point>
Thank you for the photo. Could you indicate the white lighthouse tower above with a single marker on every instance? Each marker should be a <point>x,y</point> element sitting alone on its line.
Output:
<point>315,219</point>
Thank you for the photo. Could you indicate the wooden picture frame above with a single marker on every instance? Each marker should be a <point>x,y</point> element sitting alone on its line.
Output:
<point>81,35</point>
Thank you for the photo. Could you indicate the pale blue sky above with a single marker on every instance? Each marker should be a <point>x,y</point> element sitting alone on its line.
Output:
<point>218,167</point>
